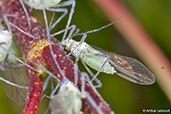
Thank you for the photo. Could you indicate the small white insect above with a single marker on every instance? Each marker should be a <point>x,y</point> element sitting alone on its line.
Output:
<point>67,101</point>
<point>5,43</point>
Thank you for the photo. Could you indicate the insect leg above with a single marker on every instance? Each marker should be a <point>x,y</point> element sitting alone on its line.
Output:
<point>48,72</point>
<point>86,94</point>
<point>67,3</point>
<point>51,95</point>
<point>53,92</point>
<point>101,67</point>
<point>99,84</point>
<point>51,21</point>
<point>47,110</point>
<point>13,84</point>
<point>50,46</point>
<point>52,88</point>
<point>93,103</point>
<point>64,10</point>
<point>76,32</point>
<point>27,16</point>
<point>19,59</point>
<point>73,27</point>
<point>76,74</point>
<point>52,84</point>
<point>46,82</point>
<point>103,27</point>
<point>84,76</point>
<point>8,23</point>
<point>61,31</point>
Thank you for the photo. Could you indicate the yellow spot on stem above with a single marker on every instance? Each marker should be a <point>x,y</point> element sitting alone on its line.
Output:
<point>64,68</point>
<point>35,95</point>
<point>101,104</point>
<point>33,19</point>
<point>26,28</point>
<point>36,107</point>
<point>59,76</point>
<point>60,55</point>
<point>140,74</point>
<point>62,61</point>
<point>129,67</point>
<point>55,55</point>
<point>34,29</point>
<point>64,72</point>
<point>36,49</point>
<point>37,83</point>
<point>35,54</point>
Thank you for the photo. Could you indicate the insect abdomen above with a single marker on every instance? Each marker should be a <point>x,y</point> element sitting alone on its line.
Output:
<point>96,62</point>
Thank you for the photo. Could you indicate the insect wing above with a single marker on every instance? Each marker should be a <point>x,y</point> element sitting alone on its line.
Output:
<point>17,76</point>
<point>131,69</point>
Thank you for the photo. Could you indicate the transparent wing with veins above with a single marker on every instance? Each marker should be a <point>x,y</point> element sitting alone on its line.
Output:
<point>15,74</point>
<point>131,69</point>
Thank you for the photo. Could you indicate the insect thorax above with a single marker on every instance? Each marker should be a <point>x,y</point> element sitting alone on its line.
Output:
<point>74,47</point>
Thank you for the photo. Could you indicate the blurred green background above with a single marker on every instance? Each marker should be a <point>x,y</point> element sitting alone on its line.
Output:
<point>123,96</point>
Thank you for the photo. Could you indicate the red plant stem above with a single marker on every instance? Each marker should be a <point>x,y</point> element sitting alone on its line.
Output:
<point>37,50</point>
<point>140,41</point>
<point>34,95</point>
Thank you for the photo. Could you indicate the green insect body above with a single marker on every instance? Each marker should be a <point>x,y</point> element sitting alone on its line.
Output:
<point>88,55</point>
